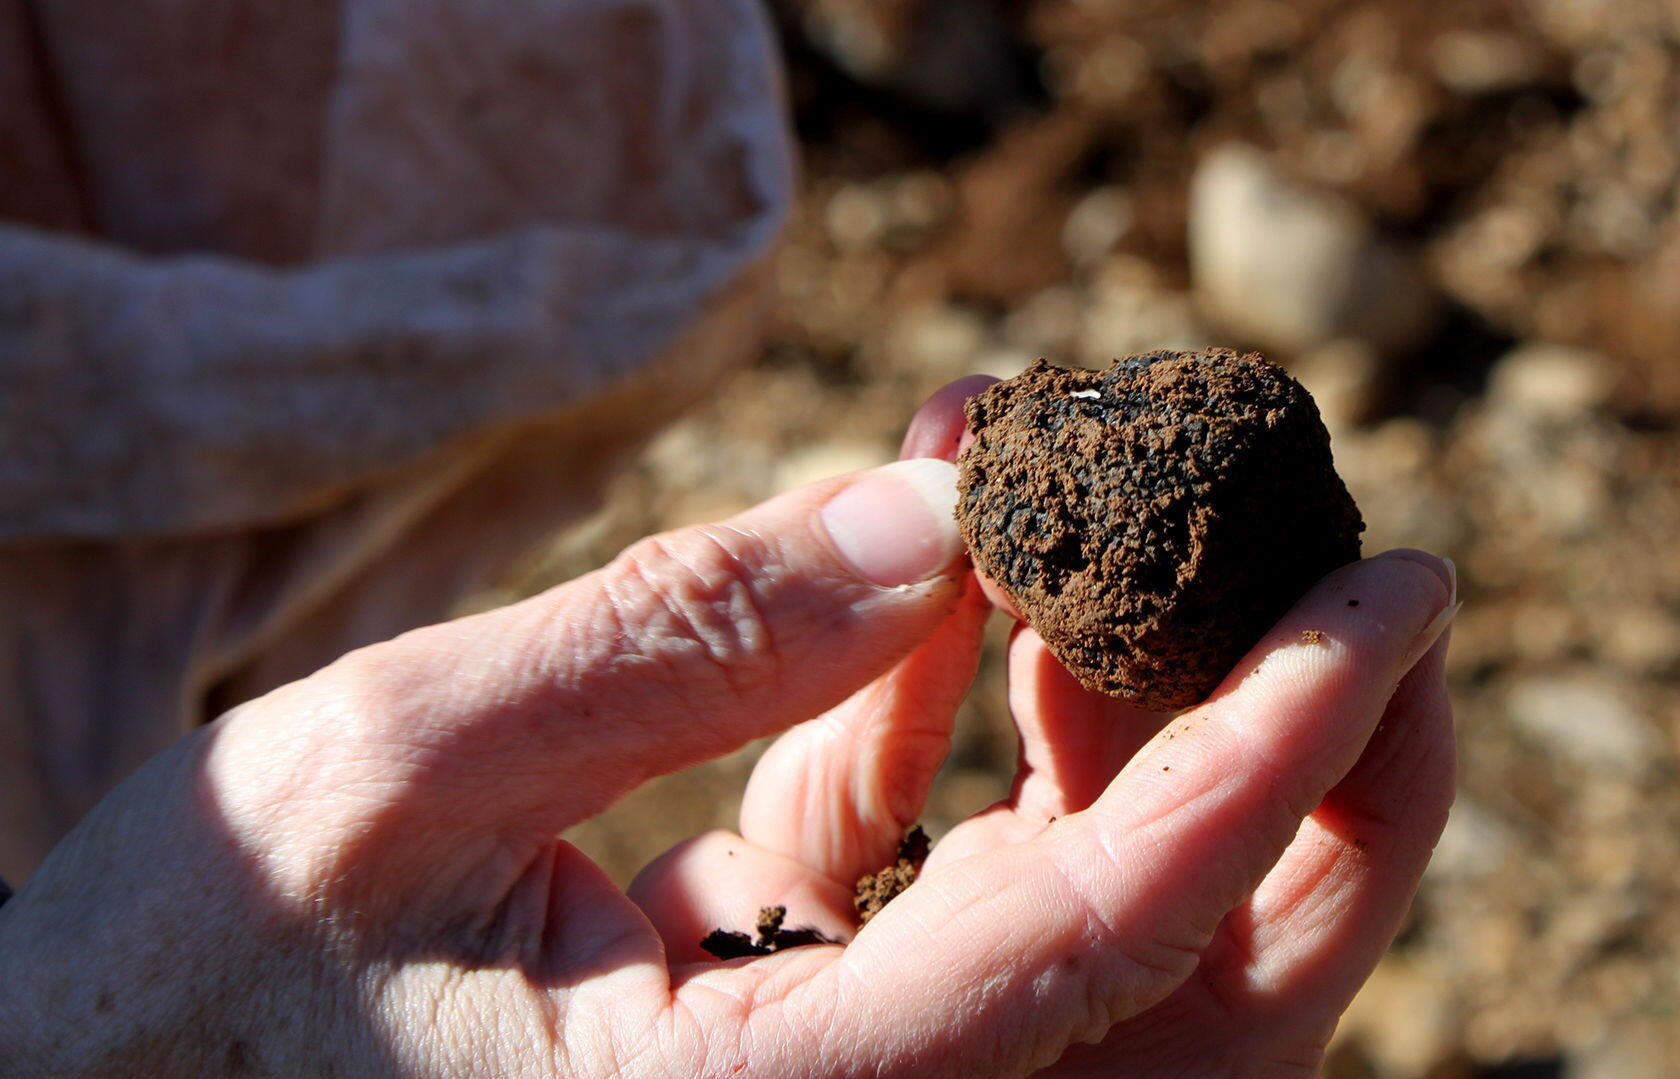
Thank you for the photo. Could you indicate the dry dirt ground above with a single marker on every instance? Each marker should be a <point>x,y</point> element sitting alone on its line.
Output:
<point>991,182</point>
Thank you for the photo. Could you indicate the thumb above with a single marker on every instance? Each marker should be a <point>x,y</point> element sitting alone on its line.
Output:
<point>685,647</point>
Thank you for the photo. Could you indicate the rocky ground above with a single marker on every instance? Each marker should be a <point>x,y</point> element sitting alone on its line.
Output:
<point>1460,225</point>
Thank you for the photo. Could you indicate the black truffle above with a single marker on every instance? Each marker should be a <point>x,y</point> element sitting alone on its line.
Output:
<point>1153,520</point>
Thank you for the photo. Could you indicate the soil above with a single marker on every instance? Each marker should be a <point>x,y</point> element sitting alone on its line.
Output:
<point>1152,520</point>
<point>876,890</point>
<point>726,944</point>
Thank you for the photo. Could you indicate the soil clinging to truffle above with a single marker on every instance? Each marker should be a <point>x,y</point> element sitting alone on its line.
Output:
<point>1153,520</point>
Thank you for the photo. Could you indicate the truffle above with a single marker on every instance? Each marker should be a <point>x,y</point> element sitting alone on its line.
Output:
<point>1153,520</point>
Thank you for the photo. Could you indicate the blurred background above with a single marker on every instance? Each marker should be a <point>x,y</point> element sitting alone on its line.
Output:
<point>1459,224</point>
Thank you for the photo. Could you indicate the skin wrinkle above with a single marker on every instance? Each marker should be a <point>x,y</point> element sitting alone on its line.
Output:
<point>844,994</point>
<point>718,581</point>
<point>1260,747</point>
<point>1265,834</point>
<point>786,1025</point>
<point>1308,911</point>
<point>760,1015</point>
<point>1369,823</point>
<point>899,783</point>
<point>1302,885</point>
<point>512,869</point>
<point>820,794</point>
<point>1002,958</point>
<point>1140,833</point>
<point>532,892</point>
<point>667,638</point>
<point>1105,1005</point>
<point>679,1015</point>
<point>1179,956</point>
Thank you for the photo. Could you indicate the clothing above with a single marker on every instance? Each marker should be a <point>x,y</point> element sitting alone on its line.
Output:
<point>312,318</point>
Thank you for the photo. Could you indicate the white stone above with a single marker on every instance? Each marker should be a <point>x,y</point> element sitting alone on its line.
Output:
<point>826,459</point>
<point>1342,377</point>
<point>1002,363</point>
<point>1474,846</point>
<point>1046,323</point>
<point>1098,222</point>
<point>1481,62</point>
<point>1129,312</point>
<point>1291,267</point>
<point>937,338</point>
<point>1550,382</point>
<point>1586,720</point>
<point>855,217</point>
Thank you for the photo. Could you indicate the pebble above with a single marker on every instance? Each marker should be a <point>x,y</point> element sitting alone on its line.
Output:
<point>1130,313</point>
<point>1045,323</point>
<point>1550,382</point>
<point>940,339</point>
<point>1481,62</point>
<point>1293,267</point>
<point>826,459</point>
<point>1586,721</point>
<point>1406,1024</point>
<point>1642,639</point>
<point>1343,377</point>
<point>1474,846</point>
<point>1095,224</point>
<point>855,217</point>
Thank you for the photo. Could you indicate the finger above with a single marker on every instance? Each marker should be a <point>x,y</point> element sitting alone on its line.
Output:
<point>687,646</point>
<point>1286,964</point>
<point>1000,599</point>
<point>1074,741</point>
<point>938,427</point>
<point>1210,805</point>
<point>837,793</point>
<point>1328,910</point>
<point>1040,944</point>
<point>721,881</point>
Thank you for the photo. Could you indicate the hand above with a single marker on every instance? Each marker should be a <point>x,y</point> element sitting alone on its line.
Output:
<point>360,874</point>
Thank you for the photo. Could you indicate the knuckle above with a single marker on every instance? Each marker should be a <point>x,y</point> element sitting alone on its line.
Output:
<point>694,605</point>
<point>1140,961</point>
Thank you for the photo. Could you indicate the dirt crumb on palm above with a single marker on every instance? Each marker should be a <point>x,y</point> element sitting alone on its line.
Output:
<point>876,890</point>
<point>727,944</point>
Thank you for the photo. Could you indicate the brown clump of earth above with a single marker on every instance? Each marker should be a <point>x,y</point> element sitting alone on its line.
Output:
<point>1153,520</point>
<point>876,890</point>
<point>727,944</point>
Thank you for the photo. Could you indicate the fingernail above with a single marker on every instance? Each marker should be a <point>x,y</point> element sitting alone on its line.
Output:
<point>1425,640</point>
<point>1434,564</point>
<point>895,525</point>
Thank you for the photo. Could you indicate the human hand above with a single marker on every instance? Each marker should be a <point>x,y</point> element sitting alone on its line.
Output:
<point>361,872</point>
<point>1310,772</point>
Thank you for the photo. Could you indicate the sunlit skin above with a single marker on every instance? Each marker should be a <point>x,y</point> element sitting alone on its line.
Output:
<point>361,874</point>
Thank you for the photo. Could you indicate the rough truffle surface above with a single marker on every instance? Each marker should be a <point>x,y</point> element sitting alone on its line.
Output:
<point>1153,520</point>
